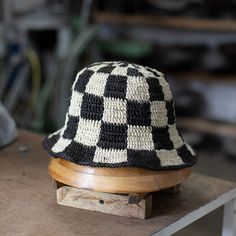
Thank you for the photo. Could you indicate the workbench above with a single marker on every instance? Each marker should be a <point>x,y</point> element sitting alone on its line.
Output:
<point>28,201</point>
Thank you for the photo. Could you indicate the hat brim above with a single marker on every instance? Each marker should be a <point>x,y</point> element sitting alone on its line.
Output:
<point>80,154</point>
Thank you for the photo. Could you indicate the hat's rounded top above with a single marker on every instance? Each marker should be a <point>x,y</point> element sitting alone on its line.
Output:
<point>121,114</point>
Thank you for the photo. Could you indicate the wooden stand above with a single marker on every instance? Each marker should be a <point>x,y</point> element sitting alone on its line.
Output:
<point>118,191</point>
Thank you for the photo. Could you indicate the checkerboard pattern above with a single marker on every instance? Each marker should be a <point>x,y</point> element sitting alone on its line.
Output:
<point>121,114</point>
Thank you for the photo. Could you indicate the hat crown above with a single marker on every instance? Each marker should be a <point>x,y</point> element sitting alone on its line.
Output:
<point>121,114</point>
<point>115,84</point>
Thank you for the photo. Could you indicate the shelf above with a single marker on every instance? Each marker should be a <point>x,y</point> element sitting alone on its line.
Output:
<point>209,127</point>
<point>206,77</point>
<point>166,21</point>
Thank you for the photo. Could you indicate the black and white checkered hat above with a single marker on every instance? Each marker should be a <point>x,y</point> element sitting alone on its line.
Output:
<point>120,115</point>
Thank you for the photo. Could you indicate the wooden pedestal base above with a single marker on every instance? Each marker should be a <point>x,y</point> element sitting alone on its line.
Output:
<point>117,191</point>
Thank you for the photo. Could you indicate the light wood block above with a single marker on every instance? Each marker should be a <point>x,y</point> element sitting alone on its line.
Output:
<point>114,204</point>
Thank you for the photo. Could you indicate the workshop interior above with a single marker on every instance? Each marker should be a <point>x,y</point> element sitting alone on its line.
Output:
<point>44,44</point>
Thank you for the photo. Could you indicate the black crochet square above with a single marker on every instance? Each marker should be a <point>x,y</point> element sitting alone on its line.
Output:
<point>170,112</point>
<point>185,154</point>
<point>106,69</point>
<point>138,113</point>
<point>83,80</point>
<point>134,72</point>
<point>155,89</point>
<point>116,86</point>
<point>92,107</point>
<point>143,158</point>
<point>80,153</point>
<point>49,142</point>
<point>153,71</point>
<point>161,138</point>
<point>71,127</point>
<point>113,136</point>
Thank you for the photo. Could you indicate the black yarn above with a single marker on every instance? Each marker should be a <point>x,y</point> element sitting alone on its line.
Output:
<point>83,80</point>
<point>138,113</point>
<point>116,87</point>
<point>155,90</point>
<point>92,107</point>
<point>113,136</point>
<point>71,127</point>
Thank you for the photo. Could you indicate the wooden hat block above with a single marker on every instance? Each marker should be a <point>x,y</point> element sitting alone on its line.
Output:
<point>120,191</point>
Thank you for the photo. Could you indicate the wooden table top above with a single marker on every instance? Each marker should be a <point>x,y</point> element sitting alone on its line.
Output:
<point>28,199</point>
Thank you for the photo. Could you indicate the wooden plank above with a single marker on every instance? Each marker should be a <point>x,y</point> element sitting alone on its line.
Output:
<point>209,127</point>
<point>166,21</point>
<point>204,76</point>
<point>114,204</point>
<point>28,203</point>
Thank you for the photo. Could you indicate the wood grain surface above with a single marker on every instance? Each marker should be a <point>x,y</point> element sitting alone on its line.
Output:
<point>28,200</point>
<point>115,204</point>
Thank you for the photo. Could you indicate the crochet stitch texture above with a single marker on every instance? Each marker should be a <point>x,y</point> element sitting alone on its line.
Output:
<point>120,115</point>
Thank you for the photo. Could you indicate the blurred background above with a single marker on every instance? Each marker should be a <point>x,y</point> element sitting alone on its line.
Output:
<point>193,42</point>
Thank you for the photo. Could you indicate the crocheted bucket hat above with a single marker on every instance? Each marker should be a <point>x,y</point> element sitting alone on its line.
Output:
<point>121,115</point>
